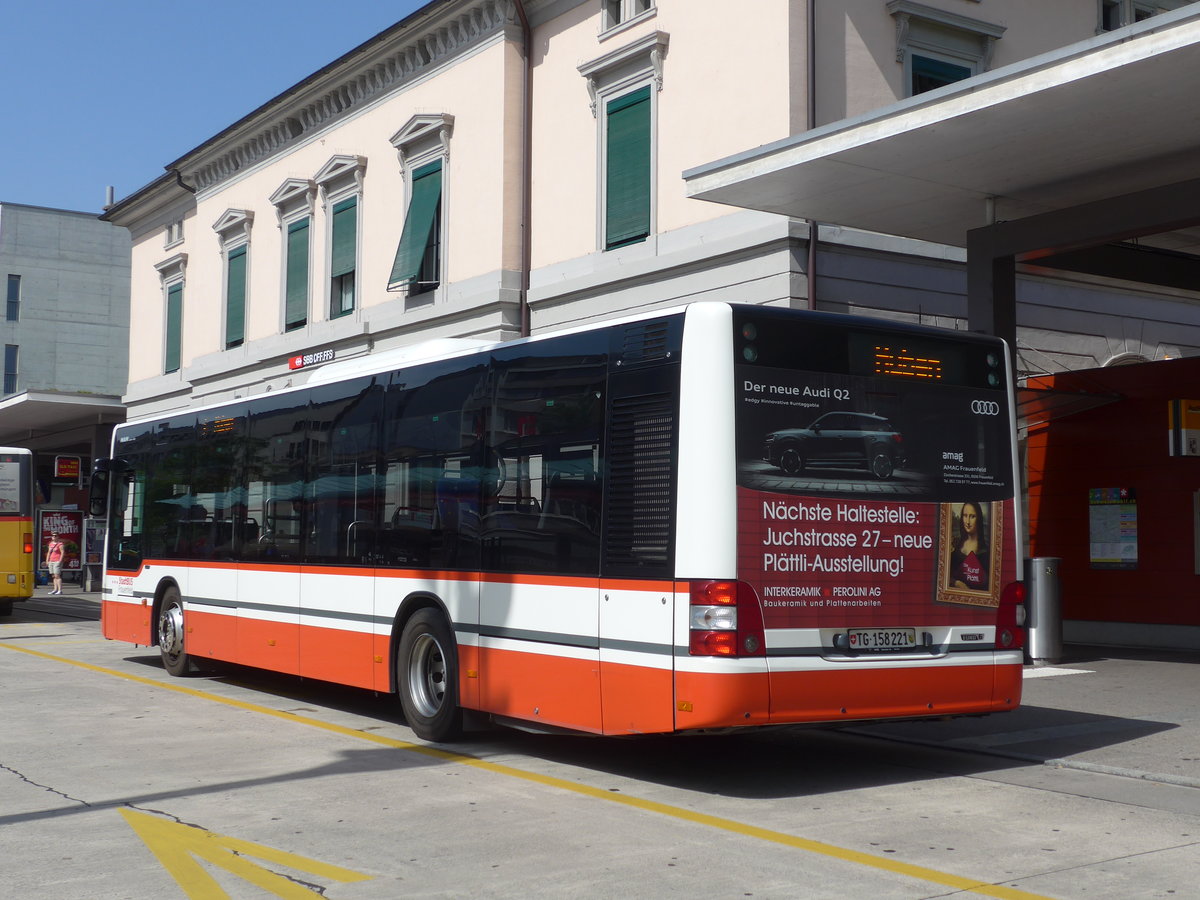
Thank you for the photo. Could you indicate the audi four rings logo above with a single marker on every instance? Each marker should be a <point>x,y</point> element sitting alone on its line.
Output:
<point>985,407</point>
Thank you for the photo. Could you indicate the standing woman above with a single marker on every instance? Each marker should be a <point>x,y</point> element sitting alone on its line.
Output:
<point>54,561</point>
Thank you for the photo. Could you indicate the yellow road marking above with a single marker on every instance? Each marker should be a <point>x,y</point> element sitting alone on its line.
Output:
<point>177,847</point>
<point>730,825</point>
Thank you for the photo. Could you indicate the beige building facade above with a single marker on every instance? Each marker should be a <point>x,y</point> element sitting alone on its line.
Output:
<point>490,168</point>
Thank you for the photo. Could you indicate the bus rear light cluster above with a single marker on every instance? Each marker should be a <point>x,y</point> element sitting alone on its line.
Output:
<point>1010,621</point>
<point>726,620</point>
<point>28,542</point>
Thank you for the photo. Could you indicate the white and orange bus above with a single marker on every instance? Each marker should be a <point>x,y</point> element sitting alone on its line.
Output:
<point>710,517</point>
<point>17,553</point>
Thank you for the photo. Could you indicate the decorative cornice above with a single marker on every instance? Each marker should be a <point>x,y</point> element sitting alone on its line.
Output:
<point>233,221</point>
<point>172,266</point>
<point>650,50</point>
<point>294,194</point>
<point>905,10</point>
<point>338,171</point>
<point>434,127</point>
<point>335,95</point>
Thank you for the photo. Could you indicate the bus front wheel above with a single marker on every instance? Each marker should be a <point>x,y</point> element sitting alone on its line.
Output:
<point>170,633</point>
<point>427,677</point>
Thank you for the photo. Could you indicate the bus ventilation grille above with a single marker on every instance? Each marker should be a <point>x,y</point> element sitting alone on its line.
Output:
<point>645,342</point>
<point>640,459</point>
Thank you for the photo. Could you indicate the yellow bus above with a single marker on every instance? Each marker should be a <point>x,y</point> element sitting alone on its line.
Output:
<point>16,527</point>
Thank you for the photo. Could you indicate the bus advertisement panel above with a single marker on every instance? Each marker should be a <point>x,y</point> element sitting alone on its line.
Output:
<point>876,507</point>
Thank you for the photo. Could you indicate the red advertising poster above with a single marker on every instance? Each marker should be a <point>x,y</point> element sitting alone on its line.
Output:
<point>68,523</point>
<point>873,502</point>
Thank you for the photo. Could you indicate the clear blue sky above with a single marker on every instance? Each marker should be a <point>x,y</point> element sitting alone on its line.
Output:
<point>100,92</point>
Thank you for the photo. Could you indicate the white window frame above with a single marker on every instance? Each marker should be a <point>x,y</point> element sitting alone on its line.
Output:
<point>1128,11</point>
<point>923,30</point>
<point>617,15</point>
<point>173,234</point>
<point>340,179</point>
<point>422,140</point>
<point>172,272</point>
<point>233,231</point>
<point>613,75</point>
<point>294,200</point>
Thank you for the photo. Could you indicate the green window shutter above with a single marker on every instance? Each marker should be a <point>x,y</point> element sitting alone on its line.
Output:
<point>295,312</point>
<point>235,297</point>
<point>929,74</point>
<point>345,227</point>
<point>418,224</point>
<point>627,169</point>
<point>174,328</point>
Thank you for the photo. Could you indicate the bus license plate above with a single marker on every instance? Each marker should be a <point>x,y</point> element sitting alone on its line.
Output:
<point>882,639</point>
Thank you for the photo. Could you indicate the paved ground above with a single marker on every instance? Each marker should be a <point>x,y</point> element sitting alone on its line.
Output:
<point>1121,711</point>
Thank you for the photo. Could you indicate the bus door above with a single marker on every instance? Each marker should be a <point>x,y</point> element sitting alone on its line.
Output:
<point>341,519</point>
<point>268,581</point>
<point>540,538</point>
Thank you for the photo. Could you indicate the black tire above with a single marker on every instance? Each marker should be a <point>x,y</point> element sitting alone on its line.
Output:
<point>6,607</point>
<point>427,677</point>
<point>791,460</point>
<point>882,465</point>
<point>170,633</point>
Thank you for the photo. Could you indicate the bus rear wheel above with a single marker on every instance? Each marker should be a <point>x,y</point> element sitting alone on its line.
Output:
<point>170,634</point>
<point>427,677</point>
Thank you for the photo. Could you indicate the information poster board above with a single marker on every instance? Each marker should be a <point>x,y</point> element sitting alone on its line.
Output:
<point>69,525</point>
<point>1112,528</point>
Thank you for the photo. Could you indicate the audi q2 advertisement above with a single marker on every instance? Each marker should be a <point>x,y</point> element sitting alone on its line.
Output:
<point>874,477</point>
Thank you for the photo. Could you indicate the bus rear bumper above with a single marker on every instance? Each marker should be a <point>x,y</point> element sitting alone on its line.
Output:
<point>845,694</point>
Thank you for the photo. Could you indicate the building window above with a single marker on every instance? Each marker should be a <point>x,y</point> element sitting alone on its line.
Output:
<point>424,148</point>
<point>341,181</point>
<point>171,273</point>
<point>627,171</point>
<point>622,12</point>
<point>1116,14</point>
<point>294,203</point>
<point>623,85</point>
<point>233,228</point>
<point>936,47</point>
<point>295,304</point>
<point>173,345</point>
<point>417,257</point>
<point>174,234</point>
<point>13,310</point>
<point>235,297</point>
<point>10,368</point>
<point>343,257</point>
<point>929,73</point>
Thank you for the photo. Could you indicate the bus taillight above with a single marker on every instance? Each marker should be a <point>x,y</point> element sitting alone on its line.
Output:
<point>726,620</point>
<point>28,542</point>
<point>1010,622</point>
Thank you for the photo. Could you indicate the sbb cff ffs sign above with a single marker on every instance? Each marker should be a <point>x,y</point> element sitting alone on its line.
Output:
<point>310,359</point>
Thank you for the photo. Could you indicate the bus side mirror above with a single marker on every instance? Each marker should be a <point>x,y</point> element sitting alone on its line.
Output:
<point>101,480</point>
<point>98,494</point>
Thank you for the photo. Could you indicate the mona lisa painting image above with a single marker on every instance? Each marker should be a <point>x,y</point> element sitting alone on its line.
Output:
<point>969,536</point>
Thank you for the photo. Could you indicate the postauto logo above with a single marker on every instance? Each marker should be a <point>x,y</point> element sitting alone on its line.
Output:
<point>985,407</point>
